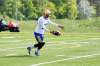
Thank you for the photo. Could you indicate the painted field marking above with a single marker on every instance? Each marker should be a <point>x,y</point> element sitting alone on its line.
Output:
<point>11,54</point>
<point>72,58</point>
<point>5,41</point>
<point>60,55</point>
<point>63,43</point>
<point>73,44</point>
<point>95,38</point>
<point>8,37</point>
<point>6,49</point>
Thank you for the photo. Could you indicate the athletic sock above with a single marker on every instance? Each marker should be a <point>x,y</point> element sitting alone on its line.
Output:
<point>37,52</point>
<point>36,49</point>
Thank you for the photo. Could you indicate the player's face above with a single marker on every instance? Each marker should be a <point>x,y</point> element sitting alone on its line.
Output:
<point>46,15</point>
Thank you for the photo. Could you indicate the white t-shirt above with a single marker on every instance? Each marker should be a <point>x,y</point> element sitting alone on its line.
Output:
<point>41,25</point>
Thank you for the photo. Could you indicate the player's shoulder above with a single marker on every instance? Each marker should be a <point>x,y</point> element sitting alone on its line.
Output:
<point>41,18</point>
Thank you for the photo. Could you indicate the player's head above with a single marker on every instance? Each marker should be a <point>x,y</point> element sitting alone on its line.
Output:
<point>46,13</point>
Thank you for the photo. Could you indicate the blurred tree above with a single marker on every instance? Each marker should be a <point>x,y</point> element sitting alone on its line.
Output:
<point>72,9</point>
<point>2,4</point>
<point>85,10</point>
<point>32,9</point>
<point>52,7</point>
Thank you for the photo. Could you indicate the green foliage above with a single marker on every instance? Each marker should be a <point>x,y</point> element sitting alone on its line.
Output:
<point>72,9</point>
<point>32,9</point>
<point>62,11</point>
<point>52,7</point>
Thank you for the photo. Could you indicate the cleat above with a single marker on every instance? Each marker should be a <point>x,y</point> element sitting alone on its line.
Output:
<point>29,50</point>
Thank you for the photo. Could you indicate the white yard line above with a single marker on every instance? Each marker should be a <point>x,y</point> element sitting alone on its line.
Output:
<point>74,44</point>
<point>7,41</point>
<point>60,55</point>
<point>7,49</point>
<point>72,58</point>
<point>9,37</point>
<point>98,38</point>
<point>11,54</point>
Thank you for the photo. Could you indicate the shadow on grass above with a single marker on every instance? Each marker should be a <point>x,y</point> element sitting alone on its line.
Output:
<point>18,56</point>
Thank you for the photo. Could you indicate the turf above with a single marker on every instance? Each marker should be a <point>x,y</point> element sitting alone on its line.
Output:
<point>69,45</point>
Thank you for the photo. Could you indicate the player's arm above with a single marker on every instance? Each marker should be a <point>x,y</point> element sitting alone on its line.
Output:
<point>57,25</point>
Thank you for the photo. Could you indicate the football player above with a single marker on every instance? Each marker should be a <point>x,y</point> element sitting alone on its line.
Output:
<point>39,31</point>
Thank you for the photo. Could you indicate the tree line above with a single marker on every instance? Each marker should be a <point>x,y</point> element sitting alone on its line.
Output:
<point>32,9</point>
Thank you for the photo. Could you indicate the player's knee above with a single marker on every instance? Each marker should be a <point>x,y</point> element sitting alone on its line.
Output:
<point>41,44</point>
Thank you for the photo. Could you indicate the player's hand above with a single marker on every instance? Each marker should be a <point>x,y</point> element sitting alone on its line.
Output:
<point>61,26</point>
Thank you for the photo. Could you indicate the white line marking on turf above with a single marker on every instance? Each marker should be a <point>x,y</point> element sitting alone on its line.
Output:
<point>95,38</point>
<point>72,58</point>
<point>11,54</point>
<point>60,55</point>
<point>75,44</point>
<point>11,48</point>
<point>8,37</point>
<point>5,41</point>
<point>62,43</point>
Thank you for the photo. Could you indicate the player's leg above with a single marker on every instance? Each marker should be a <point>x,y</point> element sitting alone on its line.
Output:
<point>29,48</point>
<point>39,38</point>
<point>40,43</point>
<point>39,47</point>
<point>33,46</point>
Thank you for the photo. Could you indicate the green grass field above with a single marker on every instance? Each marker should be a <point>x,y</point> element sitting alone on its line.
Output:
<point>69,49</point>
